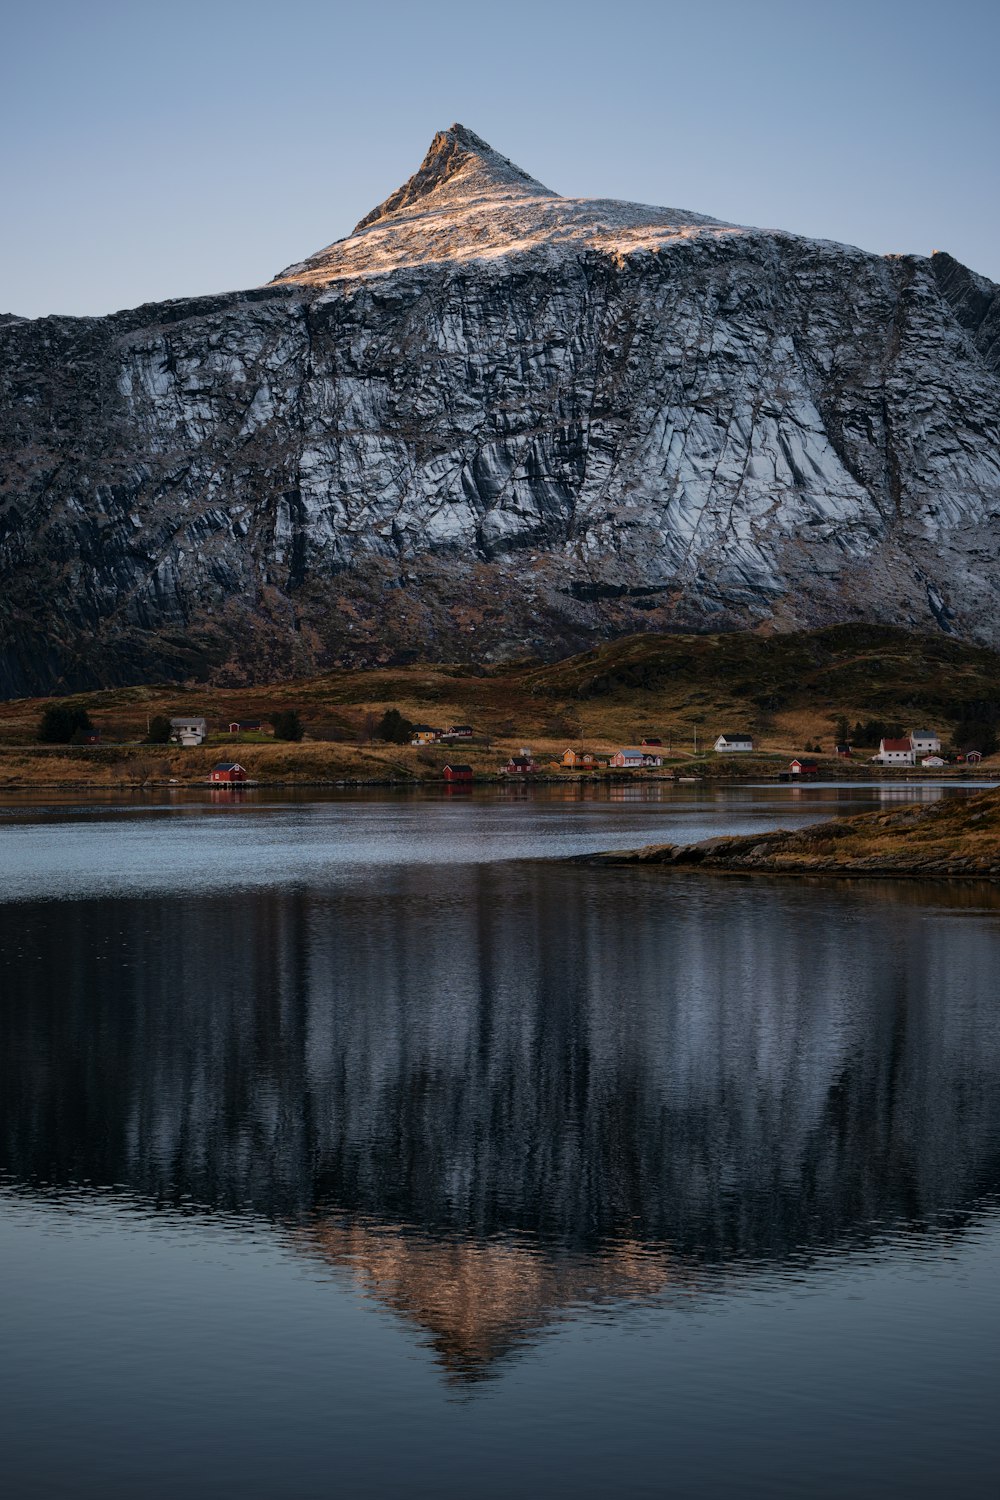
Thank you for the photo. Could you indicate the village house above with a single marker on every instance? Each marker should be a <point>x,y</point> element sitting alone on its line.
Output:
<point>457,732</point>
<point>579,760</point>
<point>844,751</point>
<point>227,773</point>
<point>246,726</point>
<point>729,743</point>
<point>188,732</point>
<point>804,768</point>
<point>628,759</point>
<point>933,760</point>
<point>895,753</point>
<point>925,742</point>
<point>651,742</point>
<point>650,758</point>
<point>423,734</point>
<point>457,773</point>
<point>974,757</point>
<point>520,765</point>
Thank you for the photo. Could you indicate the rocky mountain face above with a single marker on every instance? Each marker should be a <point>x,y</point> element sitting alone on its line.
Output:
<point>494,421</point>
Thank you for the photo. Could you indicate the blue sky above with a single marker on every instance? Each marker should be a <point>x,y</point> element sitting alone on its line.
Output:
<point>155,149</point>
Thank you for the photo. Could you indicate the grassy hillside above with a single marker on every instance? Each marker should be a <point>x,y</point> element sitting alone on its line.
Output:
<point>786,689</point>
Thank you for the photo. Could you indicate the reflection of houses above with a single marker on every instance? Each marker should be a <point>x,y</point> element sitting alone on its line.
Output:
<point>730,743</point>
<point>188,731</point>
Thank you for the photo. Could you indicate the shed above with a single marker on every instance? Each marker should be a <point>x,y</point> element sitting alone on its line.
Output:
<point>804,768</point>
<point>457,773</point>
<point>227,773</point>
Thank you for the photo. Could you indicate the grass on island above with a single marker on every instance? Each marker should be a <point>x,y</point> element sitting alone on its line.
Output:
<point>786,690</point>
<point>959,836</point>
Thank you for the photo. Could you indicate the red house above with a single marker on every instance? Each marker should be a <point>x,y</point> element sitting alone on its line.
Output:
<point>228,773</point>
<point>458,773</point>
<point>804,768</point>
<point>520,765</point>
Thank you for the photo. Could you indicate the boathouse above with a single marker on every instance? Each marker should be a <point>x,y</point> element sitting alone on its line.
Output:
<point>457,773</point>
<point>227,773</point>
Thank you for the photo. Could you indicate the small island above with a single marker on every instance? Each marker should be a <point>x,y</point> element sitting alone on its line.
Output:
<point>956,838</point>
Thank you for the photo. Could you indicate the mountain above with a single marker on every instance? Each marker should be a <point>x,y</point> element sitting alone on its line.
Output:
<point>497,422</point>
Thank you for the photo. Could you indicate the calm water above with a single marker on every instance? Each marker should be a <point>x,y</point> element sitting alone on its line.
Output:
<point>351,1147</point>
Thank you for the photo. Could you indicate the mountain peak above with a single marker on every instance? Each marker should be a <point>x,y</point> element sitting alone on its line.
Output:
<point>459,165</point>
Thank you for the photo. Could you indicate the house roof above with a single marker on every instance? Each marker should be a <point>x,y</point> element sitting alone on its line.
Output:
<point>193,721</point>
<point>629,750</point>
<point>450,767</point>
<point>227,765</point>
<point>737,739</point>
<point>923,734</point>
<point>807,765</point>
<point>896,745</point>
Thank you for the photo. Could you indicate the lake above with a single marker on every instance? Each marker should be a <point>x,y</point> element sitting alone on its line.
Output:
<point>357,1144</point>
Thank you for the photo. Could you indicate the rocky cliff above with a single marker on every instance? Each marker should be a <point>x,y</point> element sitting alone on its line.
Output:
<point>497,421</point>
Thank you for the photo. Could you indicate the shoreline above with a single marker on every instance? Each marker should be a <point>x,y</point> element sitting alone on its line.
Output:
<point>953,839</point>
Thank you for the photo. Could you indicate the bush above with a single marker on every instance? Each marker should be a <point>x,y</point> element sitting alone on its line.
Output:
<point>287,725</point>
<point>394,729</point>
<point>60,722</point>
<point>159,730</point>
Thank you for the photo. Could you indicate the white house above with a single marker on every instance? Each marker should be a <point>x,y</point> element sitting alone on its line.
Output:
<point>188,731</point>
<point>895,753</point>
<point>732,742</point>
<point>925,742</point>
<point>650,758</point>
<point>631,759</point>
<point>933,760</point>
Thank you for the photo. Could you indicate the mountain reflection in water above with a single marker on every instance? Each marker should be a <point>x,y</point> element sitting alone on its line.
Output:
<point>496,1093</point>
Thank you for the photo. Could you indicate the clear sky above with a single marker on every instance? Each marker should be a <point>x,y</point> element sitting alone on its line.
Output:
<point>159,148</point>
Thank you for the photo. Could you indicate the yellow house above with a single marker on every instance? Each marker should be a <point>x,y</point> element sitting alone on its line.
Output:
<point>577,760</point>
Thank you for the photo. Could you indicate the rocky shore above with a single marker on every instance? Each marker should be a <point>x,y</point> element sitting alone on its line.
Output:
<point>958,838</point>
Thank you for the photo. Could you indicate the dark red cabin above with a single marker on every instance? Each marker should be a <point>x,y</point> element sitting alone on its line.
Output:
<point>228,773</point>
<point>458,773</point>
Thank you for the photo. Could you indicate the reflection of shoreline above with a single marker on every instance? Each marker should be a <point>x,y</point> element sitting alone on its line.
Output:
<point>519,1089</point>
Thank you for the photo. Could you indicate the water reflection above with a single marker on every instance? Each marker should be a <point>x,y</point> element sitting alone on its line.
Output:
<point>494,1093</point>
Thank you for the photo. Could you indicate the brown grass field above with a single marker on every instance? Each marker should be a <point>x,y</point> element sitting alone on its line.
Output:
<point>785,690</point>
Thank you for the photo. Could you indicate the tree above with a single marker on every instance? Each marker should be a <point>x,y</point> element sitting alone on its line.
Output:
<point>842,730</point>
<point>159,730</point>
<point>287,725</point>
<point>60,722</point>
<point>975,734</point>
<point>394,729</point>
